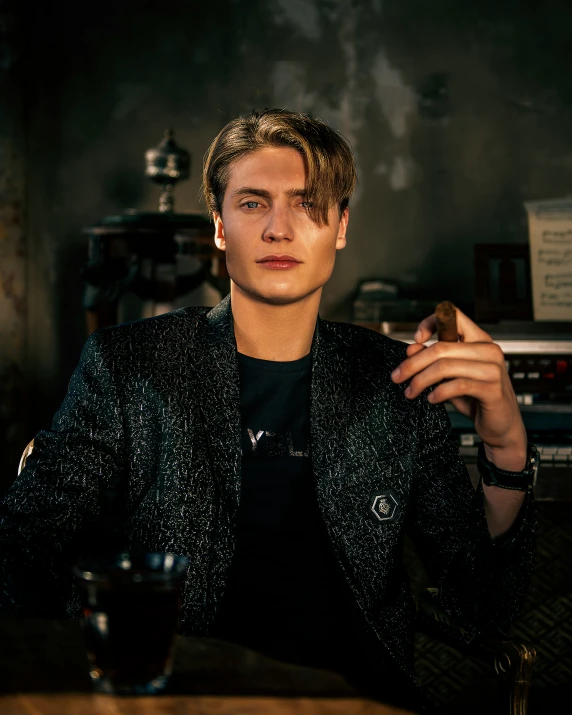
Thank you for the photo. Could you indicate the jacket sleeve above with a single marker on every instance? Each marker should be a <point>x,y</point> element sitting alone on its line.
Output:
<point>51,513</point>
<point>482,581</point>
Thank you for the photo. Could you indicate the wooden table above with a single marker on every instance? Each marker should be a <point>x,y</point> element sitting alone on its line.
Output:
<point>187,705</point>
<point>43,671</point>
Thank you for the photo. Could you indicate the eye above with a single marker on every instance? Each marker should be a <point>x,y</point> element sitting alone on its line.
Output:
<point>250,204</point>
<point>307,204</point>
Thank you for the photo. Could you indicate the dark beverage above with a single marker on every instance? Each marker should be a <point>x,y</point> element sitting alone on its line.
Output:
<point>131,612</point>
<point>130,636</point>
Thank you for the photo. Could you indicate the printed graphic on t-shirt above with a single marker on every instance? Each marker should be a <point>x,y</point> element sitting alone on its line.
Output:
<point>265,443</point>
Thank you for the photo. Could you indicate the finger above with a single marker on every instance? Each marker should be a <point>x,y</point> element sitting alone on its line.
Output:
<point>414,348</point>
<point>488,374</point>
<point>469,331</point>
<point>459,387</point>
<point>425,329</point>
<point>481,352</point>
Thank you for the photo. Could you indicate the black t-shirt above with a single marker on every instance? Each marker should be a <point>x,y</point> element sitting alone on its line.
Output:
<point>286,595</point>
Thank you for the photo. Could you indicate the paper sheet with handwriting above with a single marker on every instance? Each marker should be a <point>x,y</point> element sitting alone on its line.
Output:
<point>550,232</point>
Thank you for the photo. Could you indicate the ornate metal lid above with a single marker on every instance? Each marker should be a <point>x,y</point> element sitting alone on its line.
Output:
<point>166,164</point>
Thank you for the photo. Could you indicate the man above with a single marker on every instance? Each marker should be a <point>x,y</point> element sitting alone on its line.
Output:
<point>285,456</point>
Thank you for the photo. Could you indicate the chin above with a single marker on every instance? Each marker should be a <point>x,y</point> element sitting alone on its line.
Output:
<point>277,297</point>
<point>286,301</point>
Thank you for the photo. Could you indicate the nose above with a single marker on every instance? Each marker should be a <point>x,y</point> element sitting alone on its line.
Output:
<point>279,226</point>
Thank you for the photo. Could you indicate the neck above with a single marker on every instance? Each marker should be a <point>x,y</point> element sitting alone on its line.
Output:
<point>273,332</point>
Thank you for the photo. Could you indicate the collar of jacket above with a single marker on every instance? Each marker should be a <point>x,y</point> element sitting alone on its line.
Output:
<point>219,397</point>
<point>339,413</point>
<point>340,408</point>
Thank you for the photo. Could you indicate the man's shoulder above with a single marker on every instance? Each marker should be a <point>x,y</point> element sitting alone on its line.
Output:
<point>148,340</point>
<point>364,342</point>
<point>182,322</point>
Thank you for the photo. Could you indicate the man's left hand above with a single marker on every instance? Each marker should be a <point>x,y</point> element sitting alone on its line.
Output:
<point>472,375</point>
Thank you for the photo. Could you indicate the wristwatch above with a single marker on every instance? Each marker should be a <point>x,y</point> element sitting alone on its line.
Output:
<point>492,476</point>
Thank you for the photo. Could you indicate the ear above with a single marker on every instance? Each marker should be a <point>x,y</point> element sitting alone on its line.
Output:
<point>342,229</point>
<point>219,231</point>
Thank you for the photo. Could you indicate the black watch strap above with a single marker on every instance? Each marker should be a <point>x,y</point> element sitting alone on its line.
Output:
<point>519,481</point>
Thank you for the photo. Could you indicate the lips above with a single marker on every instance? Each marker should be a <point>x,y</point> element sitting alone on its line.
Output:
<point>282,259</point>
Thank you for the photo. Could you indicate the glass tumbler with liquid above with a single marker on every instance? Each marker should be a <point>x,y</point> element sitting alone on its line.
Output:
<point>131,606</point>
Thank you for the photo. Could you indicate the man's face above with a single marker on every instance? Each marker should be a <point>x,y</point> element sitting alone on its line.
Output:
<point>265,214</point>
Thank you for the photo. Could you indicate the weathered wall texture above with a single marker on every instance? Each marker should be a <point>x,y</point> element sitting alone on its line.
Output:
<point>457,112</point>
<point>12,251</point>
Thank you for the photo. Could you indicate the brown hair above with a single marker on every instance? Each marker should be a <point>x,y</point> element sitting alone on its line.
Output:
<point>330,166</point>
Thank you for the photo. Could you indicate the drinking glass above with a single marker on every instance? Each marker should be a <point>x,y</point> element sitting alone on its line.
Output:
<point>131,605</point>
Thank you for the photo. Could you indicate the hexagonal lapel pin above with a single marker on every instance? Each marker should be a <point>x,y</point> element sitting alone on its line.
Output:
<point>384,506</point>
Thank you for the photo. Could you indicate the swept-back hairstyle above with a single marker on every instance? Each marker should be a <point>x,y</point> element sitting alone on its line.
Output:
<point>330,165</point>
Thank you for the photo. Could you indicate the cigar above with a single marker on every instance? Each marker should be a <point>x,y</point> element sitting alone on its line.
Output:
<point>446,315</point>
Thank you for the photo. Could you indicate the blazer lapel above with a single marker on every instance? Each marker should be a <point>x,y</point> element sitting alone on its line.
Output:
<point>218,399</point>
<point>331,398</point>
<point>217,396</point>
<point>354,451</point>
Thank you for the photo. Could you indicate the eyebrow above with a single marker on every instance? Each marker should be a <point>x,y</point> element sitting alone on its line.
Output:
<point>252,191</point>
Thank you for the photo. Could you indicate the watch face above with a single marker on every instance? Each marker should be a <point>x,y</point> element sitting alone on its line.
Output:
<point>534,463</point>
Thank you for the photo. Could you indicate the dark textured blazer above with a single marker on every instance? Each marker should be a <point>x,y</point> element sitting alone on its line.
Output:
<point>145,454</point>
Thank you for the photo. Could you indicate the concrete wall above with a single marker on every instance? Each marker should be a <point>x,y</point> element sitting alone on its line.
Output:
<point>457,112</point>
<point>13,305</point>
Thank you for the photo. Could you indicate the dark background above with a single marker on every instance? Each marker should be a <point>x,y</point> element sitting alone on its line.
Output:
<point>458,112</point>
